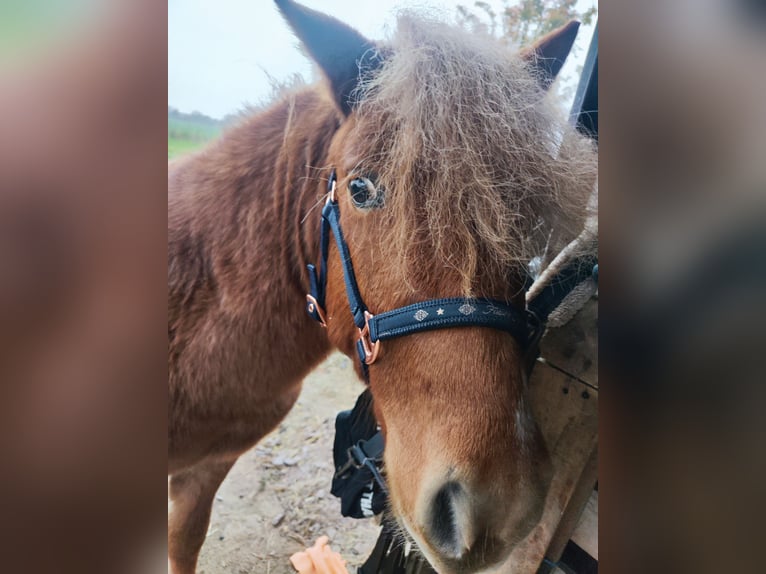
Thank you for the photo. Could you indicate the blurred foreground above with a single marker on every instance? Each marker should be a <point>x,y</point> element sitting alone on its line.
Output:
<point>83,289</point>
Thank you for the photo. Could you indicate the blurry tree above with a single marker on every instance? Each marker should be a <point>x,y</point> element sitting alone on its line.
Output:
<point>195,117</point>
<point>521,22</point>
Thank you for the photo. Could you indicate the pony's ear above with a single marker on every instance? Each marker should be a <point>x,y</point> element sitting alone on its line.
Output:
<point>341,52</point>
<point>548,54</point>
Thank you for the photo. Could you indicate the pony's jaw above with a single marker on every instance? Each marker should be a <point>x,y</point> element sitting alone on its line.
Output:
<point>462,528</point>
<point>469,485</point>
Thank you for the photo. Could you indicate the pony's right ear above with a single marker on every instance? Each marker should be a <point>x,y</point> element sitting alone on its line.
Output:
<point>341,52</point>
<point>548,54</point>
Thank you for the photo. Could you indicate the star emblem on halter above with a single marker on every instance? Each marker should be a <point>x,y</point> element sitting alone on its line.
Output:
<point>440,311</point>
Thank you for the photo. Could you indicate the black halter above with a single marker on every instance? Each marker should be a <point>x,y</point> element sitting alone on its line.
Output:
<point>524,326</point>
<point>358,449</point>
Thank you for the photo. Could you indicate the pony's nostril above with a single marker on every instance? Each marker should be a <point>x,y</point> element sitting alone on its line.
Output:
<point>449,530</point>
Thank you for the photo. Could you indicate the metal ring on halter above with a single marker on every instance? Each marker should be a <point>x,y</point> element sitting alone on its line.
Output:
<point>312,306</point>
<point>331,197</point>
<point>371,349</point>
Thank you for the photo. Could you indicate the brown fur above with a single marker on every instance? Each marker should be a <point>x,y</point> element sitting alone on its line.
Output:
<point>236,250</point>
<point>239,341</point>
<point>500,167</point>
<point>474,183</point>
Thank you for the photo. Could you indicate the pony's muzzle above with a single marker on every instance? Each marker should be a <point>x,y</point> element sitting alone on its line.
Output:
<point>466,530</point>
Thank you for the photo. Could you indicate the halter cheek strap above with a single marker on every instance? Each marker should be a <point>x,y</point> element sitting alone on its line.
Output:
<point>423,316</point>
<point>526,326</point>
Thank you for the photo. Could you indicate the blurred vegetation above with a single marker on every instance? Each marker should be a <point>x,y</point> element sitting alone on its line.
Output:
<point>521,22</point>
<point>189,132</point>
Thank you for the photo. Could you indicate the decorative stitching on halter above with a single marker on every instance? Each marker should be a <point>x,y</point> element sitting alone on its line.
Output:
<point>408,319</point>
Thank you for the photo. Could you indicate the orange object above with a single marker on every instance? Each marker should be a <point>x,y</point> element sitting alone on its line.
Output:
<point>319,559</point>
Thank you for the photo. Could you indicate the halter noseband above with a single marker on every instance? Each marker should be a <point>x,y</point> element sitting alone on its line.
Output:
<point>524,326</point>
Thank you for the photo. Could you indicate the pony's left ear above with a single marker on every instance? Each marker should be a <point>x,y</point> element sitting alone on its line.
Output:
<point>341,52</point>
<point>548,54</point>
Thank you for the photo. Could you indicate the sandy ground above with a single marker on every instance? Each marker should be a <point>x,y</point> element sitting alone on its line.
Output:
<point>276,500</point>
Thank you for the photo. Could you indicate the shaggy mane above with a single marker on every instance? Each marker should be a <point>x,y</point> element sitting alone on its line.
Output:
<point>478,166</point>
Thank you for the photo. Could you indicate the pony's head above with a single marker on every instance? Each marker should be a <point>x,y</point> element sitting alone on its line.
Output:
<point>453,171</point>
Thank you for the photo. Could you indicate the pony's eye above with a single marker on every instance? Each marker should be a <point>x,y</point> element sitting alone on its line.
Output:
<point>363,192</point>
<point>361,189</point>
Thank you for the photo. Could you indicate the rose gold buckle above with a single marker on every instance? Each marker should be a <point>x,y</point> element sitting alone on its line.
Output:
<point>313,305</point>
<point>371,349</point>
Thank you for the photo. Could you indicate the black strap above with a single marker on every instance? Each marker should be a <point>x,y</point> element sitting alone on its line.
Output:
<point>331,222</point>
<point>526,326</point>
<point>452,312</point>
<point>318,283</point>
<point>331,214</point>
<point>368,454</point>
<point>423,316</point>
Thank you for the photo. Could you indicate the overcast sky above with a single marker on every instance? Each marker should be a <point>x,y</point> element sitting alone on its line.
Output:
<point>222,52</point>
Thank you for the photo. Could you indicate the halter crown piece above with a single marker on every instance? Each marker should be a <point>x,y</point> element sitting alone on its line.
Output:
<point>525,326</point>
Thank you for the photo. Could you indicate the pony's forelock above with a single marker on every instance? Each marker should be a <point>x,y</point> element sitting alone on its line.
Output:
<point>480,169</point>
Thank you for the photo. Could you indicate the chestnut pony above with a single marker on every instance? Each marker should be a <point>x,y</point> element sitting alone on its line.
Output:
<point>453,170</point>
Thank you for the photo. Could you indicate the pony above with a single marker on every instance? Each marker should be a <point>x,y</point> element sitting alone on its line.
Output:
<point>453,170</point>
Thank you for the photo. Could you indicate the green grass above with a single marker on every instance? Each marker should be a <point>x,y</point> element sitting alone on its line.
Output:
<point>178,147</point>
<point>187,135</point>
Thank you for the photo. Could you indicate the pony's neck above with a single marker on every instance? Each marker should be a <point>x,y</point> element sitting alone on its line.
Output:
<point>310,123</point>
<point>245,204</point>
<point>287,153</point>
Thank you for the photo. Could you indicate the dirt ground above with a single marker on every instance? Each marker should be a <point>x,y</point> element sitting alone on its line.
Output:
<point>276,500</point>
